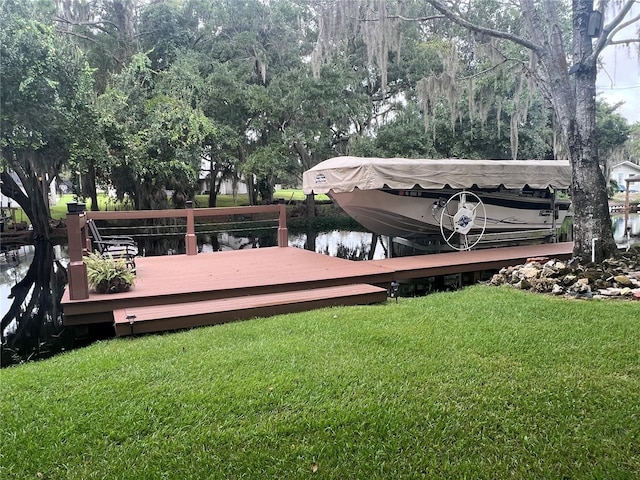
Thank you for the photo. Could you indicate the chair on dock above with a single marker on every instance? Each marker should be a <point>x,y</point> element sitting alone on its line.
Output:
<point>121,246</point>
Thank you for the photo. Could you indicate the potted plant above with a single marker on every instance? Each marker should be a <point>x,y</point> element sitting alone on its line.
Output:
<point>107,274</point>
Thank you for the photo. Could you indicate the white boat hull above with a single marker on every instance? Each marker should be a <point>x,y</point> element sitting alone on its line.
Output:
<point>415,213</point>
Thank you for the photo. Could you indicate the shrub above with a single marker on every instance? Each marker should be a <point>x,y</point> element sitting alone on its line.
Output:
<point>107,274</point>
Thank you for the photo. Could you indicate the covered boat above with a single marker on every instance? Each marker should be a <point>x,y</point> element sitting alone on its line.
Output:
<point>416,197</point>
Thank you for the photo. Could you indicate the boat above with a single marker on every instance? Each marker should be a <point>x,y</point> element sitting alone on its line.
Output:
<point>411,198</point>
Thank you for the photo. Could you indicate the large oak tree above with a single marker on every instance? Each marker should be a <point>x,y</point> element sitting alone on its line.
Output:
<point>46,96</point>
<point>563,56</point>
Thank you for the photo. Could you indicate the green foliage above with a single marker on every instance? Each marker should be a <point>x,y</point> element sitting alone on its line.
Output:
<point>45,107</point>
<point>633,144</point>
<point>157,140</point>
<point>107,274</point>
<point>165,32</point>
<point>481,383</point>
<point>613,130</point>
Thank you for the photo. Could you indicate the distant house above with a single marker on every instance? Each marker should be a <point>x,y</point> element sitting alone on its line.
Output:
<point>204,181</point>
<point>624,170</point>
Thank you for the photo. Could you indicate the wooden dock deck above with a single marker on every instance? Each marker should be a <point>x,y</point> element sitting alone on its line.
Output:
<point>471,261</point>
<point>182,291</point>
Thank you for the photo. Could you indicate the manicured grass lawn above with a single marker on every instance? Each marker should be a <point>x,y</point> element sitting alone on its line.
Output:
<point>223,200</point>
<point>621,196</point>
<point>286,195</point>
<point>297,195</point>
<point>481,383</point>
<point>59,211</point>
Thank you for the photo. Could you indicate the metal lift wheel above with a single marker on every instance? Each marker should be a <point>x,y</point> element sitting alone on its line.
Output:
<point>460,215</point>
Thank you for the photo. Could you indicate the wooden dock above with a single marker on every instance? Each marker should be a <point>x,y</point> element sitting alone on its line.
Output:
<point>184,291</point>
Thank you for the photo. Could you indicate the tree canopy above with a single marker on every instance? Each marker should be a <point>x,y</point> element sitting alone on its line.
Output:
<point>45,93</point>
<point>148,97</point>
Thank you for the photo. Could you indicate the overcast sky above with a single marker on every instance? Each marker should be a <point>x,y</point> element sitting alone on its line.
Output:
<point>619,80</point>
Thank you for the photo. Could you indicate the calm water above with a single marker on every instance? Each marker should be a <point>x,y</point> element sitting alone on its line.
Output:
<point>634,229</point>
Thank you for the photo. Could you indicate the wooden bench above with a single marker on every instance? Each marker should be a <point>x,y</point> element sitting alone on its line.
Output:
<point>155,318</point>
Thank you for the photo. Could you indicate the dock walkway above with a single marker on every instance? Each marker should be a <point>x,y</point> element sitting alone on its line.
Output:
<point>196,289</point>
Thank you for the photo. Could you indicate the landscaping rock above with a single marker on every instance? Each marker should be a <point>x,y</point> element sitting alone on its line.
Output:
<point>529,272</point>
<point>614,278</point>
<point>623,280</point>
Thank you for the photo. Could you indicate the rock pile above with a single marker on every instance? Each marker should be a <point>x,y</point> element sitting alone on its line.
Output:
<point>613,278</point>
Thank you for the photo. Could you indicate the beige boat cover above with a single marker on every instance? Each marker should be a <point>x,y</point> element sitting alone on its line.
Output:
<point>344,174</point>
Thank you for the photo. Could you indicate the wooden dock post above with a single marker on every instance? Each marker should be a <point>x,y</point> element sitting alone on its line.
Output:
<point>283,233</point>
<point>77,237</point>
<point>190,240</point>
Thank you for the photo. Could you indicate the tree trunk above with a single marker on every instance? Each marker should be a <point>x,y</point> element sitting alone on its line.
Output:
<point>90,186</point>
<point>310,204</point>
<point>213,196</point>
<point>216,186</point>
<point>31,201</point>
<point>592,234</point>
<point>573,96</point>
<point>592,230</point>
<point>307,162</point>
<point>213,190</point>
<point>252,190</point>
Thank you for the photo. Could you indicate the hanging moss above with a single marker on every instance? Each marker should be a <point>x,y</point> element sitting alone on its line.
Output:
<point>377,23</point>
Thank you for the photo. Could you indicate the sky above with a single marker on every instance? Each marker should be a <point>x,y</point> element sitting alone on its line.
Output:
<point>619,79</point>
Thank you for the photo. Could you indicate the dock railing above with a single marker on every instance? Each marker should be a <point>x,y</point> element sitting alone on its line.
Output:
<point>80,243</point>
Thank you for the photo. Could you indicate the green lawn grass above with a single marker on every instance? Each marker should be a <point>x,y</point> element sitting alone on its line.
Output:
<point>223,200</point>
<point>59,211</point>
<point>480,383</point>
<point>289,195</point>
<point>620,197</point>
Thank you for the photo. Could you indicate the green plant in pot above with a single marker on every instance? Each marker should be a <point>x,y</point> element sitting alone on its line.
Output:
<point>107,274</point>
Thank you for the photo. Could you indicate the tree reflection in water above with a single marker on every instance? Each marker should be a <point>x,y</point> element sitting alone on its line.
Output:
<point>32,327</point>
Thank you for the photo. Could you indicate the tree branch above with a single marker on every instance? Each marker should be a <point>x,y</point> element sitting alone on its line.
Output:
<point>631,21</point>
<point>491,68</point>
<point>455,18</point>
<point>626,41</point>
<point>417,19</point>
<point>92,40</point>
<point>98,25</point>
<point>609,30</point>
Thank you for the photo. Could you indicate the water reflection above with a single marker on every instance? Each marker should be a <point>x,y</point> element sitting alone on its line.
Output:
<point>632,235</point>
<point>31,323</point>
<point>340,243</point>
